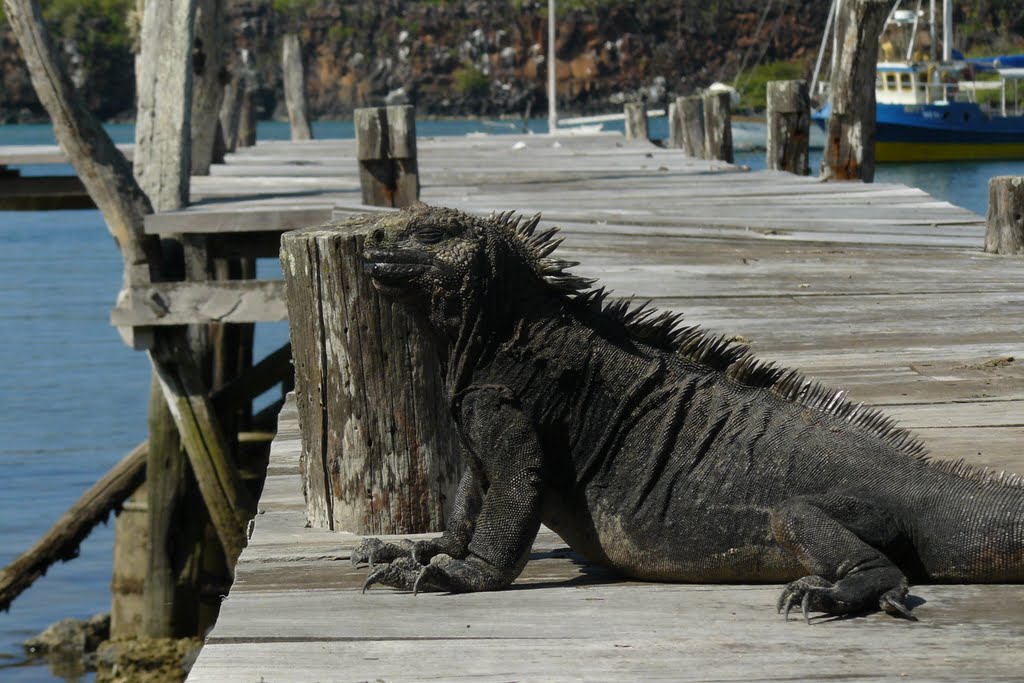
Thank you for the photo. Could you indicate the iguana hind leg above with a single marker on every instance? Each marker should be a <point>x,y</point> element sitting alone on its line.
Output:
<point>838,539</point>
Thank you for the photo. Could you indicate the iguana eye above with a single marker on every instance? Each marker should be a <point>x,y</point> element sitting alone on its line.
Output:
<point>429,235</point>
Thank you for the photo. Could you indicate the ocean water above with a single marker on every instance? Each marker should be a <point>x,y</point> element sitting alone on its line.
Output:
<point>73,397</point>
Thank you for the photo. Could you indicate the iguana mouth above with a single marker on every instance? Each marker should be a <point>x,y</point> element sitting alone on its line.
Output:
<point>391,269</point>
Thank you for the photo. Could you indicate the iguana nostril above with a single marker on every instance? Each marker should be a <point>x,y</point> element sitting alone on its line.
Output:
<point>377,236</point>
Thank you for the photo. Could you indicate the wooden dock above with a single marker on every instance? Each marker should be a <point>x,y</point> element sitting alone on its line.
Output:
<point>879,289</point>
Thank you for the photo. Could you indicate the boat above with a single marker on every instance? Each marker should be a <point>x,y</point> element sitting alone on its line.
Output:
<point>937,109</point>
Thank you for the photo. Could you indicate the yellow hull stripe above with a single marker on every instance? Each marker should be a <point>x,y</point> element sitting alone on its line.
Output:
<point>946,151</point>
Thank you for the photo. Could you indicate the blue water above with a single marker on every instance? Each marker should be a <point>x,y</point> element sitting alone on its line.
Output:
<point>73,397</point>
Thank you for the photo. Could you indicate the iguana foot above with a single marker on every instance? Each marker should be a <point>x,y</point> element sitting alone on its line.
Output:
<point>373,550</point>
<point>442,574</point>
<point>817,594</point>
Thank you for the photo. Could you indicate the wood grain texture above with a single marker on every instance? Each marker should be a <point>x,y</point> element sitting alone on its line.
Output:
<point>718,126</point>
<point>164,110</point>
<point>295,87</point>
<point>636,121</point>
<point>849,145</point>
<point>788,127</point>
<point>1005,225</point>
<point>369,384</point>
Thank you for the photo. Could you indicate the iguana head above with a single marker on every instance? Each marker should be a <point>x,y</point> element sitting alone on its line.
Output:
<point>452,265</point>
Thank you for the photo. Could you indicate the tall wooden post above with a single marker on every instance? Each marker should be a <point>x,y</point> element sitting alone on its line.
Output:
<point>164,115</point>
<point>1005,226</point>
<point>718,126</point>
<point>850,141</point>
<point>789,127</point>
<point>386,150</point>
<point>231,110</point>
<point>636,121</point>
<point>379,450</point>
<point>207,83</point>
<point>690,112</point>
<point>295,87</point>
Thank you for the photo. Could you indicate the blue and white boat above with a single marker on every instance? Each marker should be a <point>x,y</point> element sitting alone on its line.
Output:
<point>931,109</point>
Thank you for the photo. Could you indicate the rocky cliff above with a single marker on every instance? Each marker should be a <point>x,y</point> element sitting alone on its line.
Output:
<point>466,57</point>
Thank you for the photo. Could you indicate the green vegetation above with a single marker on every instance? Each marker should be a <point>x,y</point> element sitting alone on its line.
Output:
<point>753,84</point>
<point>470,81</point>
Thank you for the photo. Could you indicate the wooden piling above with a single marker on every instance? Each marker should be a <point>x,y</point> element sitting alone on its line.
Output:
<point>690,111</point>
<point>850,140</point>
<point>1005,222</point>
<point>718,126</point>
<point>164,110</point>
<point>789,127</point>
<point>231,111</point>
<point>636,121</point>
<point>247,116</point>
<point>380,453</point>
<point>386,150</point>
<point>295,87</point>
<point>207,83</point>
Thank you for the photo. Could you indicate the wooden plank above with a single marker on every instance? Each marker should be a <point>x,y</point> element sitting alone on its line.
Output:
<point>180,303</point>
<point>44,193</point>
<point>272,218</point>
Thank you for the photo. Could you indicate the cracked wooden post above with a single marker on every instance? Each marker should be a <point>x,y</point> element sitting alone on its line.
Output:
<point>690,111</point>
<point>636,121</point>
<point>1005,225</point>
<point>386,150</point>
<point>850,139</point>
<point>718,126</point>
<point>379,450</point>
<point>208,75</point>
<point>295,87</point>
<point>789,127</point>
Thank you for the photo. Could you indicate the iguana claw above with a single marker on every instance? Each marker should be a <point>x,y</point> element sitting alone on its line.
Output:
<point>371,550</point>
<point>401,574</point>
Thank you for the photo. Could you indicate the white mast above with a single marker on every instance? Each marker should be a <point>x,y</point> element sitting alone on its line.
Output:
<point>947,30</point>
<point>932,33</point>
<point>552,94</point>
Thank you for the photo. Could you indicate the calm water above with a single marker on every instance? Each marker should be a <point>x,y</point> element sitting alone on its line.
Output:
<point>73,397</point>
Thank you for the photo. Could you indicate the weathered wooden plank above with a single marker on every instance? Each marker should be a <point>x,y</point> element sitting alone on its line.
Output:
<point>180,303</point>
<point>275,218</point>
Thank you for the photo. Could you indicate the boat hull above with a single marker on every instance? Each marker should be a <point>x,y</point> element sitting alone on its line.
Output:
<point>945,132</point>
<point>957,131</point>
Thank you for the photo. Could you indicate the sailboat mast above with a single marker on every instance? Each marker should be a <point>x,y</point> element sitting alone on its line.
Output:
<point>932,33</point>
<point>552,94</point>
<point>947,30</point>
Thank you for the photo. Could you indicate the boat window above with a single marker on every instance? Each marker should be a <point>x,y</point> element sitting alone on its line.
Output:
<point>890,81</point>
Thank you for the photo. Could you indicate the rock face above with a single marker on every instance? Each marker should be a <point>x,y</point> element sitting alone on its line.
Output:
<point>462,57</point>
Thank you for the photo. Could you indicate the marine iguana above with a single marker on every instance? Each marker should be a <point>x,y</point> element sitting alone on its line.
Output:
<point>659,450</point>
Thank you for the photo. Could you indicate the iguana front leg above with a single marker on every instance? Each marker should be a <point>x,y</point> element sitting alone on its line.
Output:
<point>454,541</point>
<point>838,539</point>
<point>505,448</point>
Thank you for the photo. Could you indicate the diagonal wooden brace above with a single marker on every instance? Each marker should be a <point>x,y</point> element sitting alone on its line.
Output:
<point>229,503</point>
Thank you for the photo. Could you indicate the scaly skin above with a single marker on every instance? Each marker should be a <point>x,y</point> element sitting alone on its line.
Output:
<point>659,451</point>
